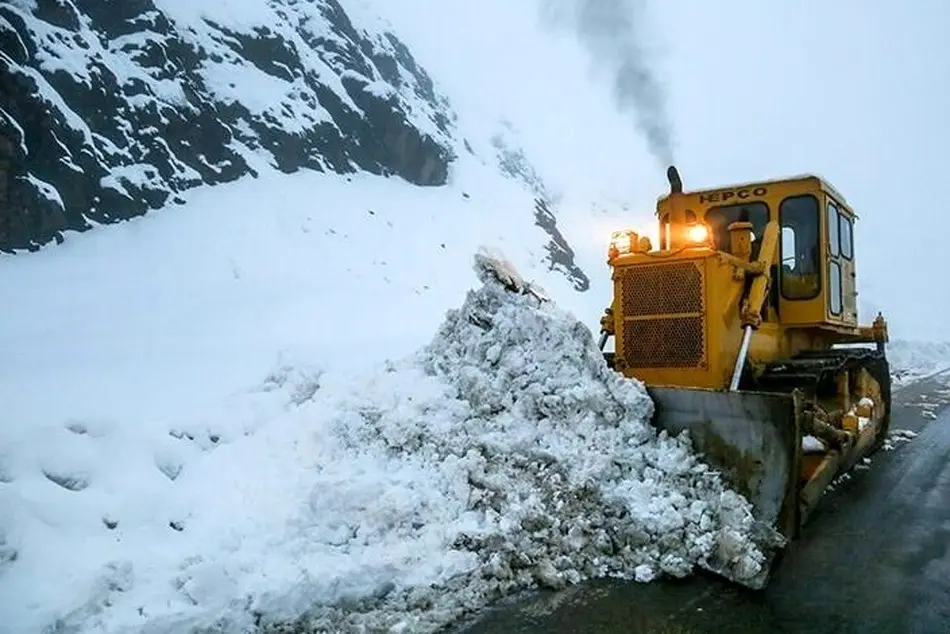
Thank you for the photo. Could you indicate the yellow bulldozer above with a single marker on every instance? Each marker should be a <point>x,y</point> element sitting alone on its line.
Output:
<point>743,326</point>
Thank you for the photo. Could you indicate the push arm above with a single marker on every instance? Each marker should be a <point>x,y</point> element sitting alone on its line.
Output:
<point>751,313</point>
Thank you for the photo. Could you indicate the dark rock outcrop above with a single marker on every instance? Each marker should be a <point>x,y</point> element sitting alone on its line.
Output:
<point>559,254</point>
<point>109,109</point>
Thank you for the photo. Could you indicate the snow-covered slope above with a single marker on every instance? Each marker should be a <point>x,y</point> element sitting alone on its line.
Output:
<point>180,307</point>
<point>914,360</point>
<point>117,109</point>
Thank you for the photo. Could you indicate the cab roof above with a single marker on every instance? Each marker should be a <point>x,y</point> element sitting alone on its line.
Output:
<point>822,183</point>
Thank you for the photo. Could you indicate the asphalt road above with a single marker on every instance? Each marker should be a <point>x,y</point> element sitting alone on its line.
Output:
<point>874,558</point>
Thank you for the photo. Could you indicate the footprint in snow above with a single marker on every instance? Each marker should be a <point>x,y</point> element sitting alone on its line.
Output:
<point>171,469</point>
<point>69,480</point>
<point>91,428</point>
<point>205,441</point>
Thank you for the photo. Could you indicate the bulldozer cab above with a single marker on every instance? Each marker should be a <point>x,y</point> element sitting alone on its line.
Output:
<point>813,275</point>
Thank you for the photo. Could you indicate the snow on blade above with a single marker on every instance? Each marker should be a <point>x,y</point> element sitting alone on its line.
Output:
<point>504,455</point>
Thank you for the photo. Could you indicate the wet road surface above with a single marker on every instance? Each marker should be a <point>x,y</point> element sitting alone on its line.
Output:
<point>873,558</point>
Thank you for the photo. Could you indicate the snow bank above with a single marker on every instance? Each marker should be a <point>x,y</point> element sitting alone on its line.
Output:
<point>504,455</point>
<point>914,360</point>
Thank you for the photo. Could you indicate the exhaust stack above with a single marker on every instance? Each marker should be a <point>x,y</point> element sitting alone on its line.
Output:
<point>676,183</point>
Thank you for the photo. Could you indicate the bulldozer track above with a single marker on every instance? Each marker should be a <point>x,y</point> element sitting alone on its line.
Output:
<point>814,371</point>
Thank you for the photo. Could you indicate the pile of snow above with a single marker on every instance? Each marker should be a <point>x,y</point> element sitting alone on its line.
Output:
<point>503,455</point>
<point>914,360</point>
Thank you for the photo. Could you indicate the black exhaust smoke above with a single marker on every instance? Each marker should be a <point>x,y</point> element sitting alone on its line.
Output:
<point>612,33</point>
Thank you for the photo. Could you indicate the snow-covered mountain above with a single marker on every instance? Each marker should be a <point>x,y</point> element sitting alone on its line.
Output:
<point>115,109</point>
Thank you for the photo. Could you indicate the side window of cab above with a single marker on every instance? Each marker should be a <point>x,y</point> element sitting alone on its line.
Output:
<point>800,221</point>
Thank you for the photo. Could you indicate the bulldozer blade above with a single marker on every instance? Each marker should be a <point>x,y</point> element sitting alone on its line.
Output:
<point>754,440</point>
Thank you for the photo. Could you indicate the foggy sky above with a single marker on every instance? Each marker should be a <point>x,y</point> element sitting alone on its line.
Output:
<point>613,32</point>
<point>856,91</point>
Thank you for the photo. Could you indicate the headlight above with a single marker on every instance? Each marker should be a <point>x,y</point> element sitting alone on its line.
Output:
<point>622,242</point>
<point>697,233</point>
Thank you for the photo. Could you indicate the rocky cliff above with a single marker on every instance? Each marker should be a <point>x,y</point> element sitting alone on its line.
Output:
<point>111,108</point>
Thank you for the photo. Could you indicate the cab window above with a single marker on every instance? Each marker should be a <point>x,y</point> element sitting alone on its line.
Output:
<point>834,221</point>
<point>719,218</point>
<point>800,221</point>
<point>846,244</point>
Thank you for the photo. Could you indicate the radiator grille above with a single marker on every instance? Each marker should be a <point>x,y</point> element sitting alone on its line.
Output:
<point>663,310</point>
<point>664,342</point>
<point>664,289</point>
